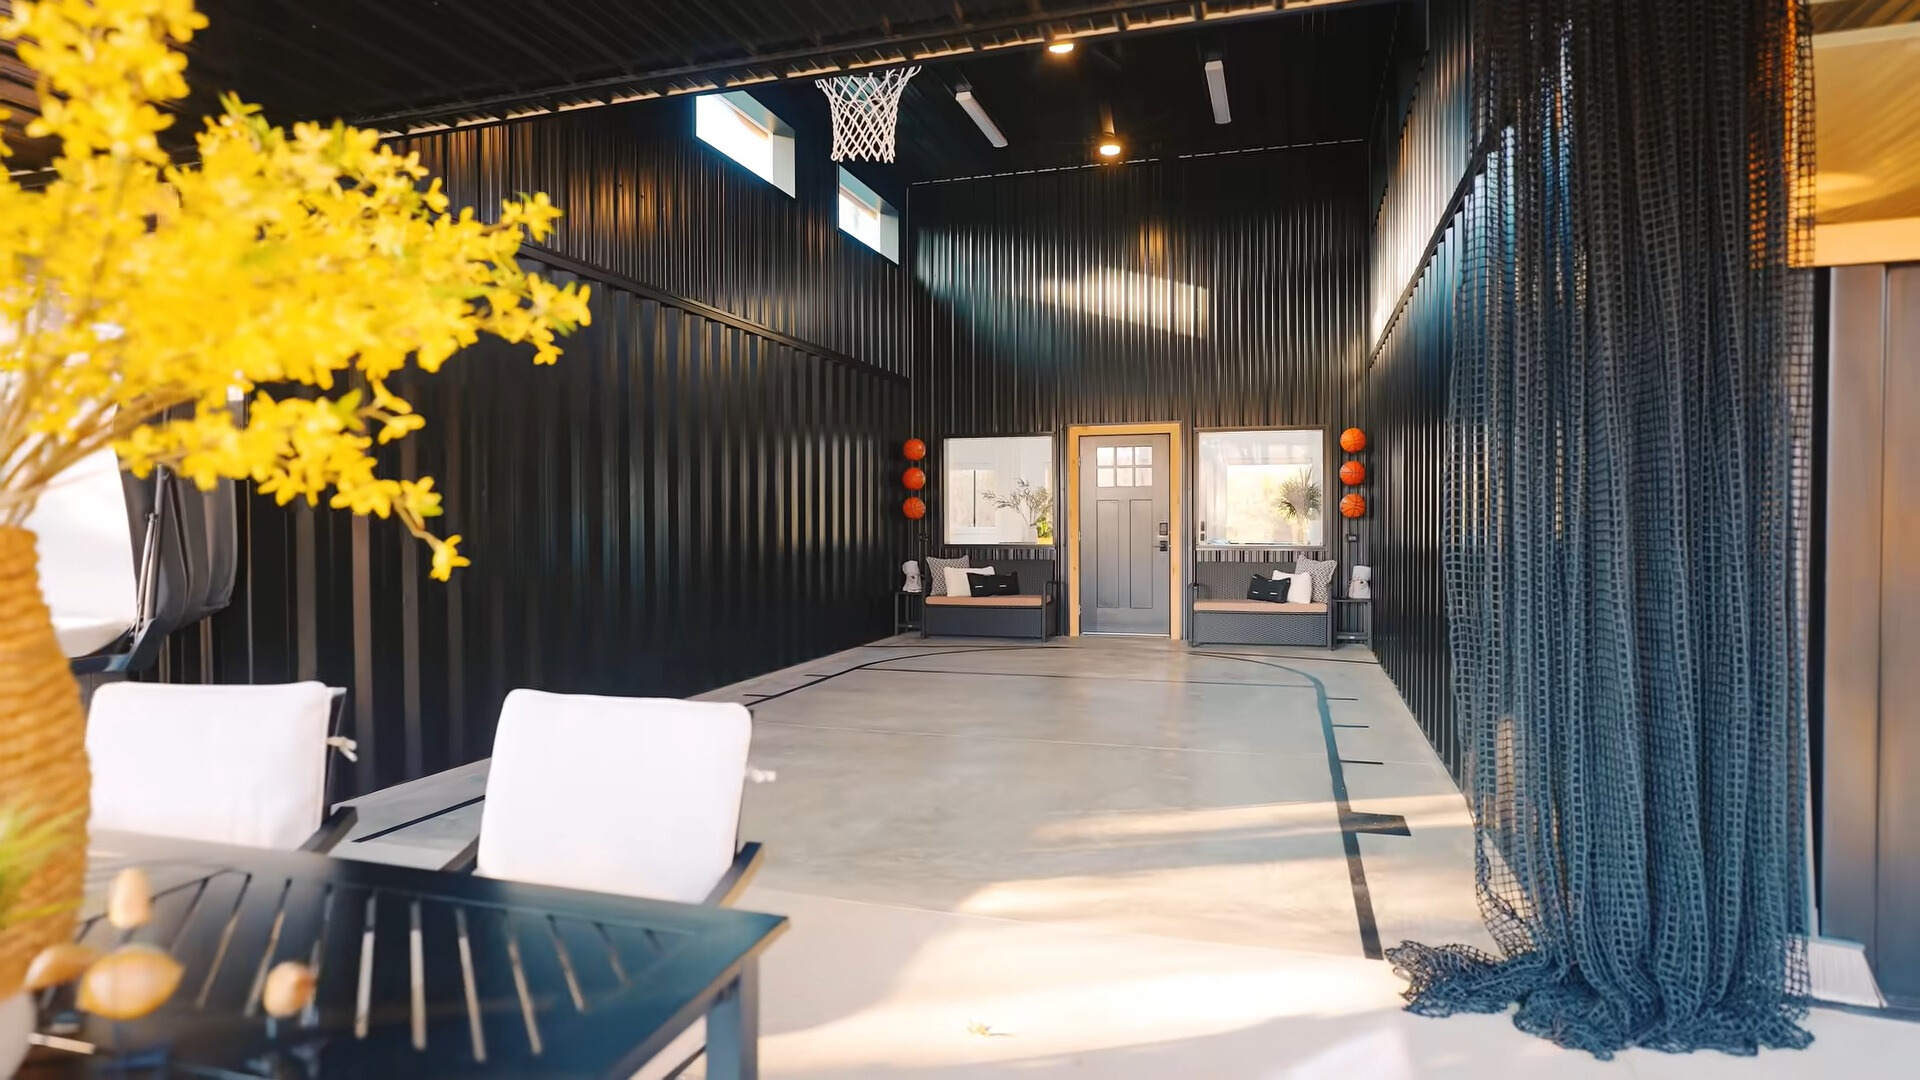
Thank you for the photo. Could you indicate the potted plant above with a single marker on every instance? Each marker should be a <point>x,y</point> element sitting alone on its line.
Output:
<point>1297,500</point>
<point>296,270</point>
<point>1033,503</point>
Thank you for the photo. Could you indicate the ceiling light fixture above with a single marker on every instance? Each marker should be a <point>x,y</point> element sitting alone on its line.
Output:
<point>1109,144</point>
<point>1217,90</point>
<point>964,95</point>
<point>1060,48</point>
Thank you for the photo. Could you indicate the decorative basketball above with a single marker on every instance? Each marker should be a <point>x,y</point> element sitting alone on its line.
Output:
<point>914,478</point>
<point>1353,505</point>
<point>914,449</point>
<point>914,508</point>
<point>1353,440</point>
<point>1353,474</point>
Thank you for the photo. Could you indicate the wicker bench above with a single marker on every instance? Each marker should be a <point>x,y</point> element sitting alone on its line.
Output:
<point>1028,615</point>
<point>1221,615</point>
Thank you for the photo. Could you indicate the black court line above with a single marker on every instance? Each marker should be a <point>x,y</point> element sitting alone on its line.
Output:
<point>891,659</point>
<point>1275,656</point>
<point>423,817</point>
<point>1089,678</point>
<point>1351,823</point>
<point>1352,725</point>
<point>1359,761</point>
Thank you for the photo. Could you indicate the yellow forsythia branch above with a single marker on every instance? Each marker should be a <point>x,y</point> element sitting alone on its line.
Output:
<point>130,285</point>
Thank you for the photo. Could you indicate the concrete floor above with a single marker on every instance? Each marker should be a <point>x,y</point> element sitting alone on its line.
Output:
<point>1109,857</point>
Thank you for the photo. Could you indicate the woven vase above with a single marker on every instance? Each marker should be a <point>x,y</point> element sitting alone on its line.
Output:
<point>43,754</point>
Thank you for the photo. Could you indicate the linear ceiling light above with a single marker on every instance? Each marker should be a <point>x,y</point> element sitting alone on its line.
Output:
<point>1217,90</point>
<point>1060,48</point>
<point>987,127</point>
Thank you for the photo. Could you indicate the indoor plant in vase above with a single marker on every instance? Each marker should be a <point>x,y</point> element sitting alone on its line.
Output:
<point>297,271</point>
<point>1034,504</point>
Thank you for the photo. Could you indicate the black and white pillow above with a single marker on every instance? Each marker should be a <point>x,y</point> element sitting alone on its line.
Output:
<point>1267,589</point>
<point>937,572</point>
<point>1321,571</point>
<point>994,584</point>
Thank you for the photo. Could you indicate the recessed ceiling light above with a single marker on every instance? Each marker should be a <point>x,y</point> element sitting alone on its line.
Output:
<point>1060,48</point>
<point>1110,148</point>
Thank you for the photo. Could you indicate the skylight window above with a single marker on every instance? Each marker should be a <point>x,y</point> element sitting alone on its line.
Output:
<point>866,217</point>
<point>744,130</point>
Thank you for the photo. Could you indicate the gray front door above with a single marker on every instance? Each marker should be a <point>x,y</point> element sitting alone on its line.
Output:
<point>1125,565</point>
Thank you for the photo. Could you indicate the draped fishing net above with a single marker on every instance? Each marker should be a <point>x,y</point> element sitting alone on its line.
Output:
<point>1626,515</point>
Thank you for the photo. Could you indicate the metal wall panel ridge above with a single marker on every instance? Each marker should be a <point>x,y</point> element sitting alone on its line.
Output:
<point>690,497</point>
<point>1426,161</point>
<point>1221,292</point>
<point>1431,152</point>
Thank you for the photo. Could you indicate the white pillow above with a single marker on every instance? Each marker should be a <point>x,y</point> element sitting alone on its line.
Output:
<point>957,578</point>
<point>1297,593</point>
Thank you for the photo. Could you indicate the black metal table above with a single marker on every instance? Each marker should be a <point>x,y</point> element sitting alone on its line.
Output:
<point>421,973</point>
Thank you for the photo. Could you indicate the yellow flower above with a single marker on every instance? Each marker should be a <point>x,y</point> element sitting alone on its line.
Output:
<point>131,286</point>
<point>446,558</point>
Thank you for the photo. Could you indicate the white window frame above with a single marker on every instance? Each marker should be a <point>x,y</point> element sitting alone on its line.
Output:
<point>886,240</point>
<point>743,109</point>
<point>1212,529</point>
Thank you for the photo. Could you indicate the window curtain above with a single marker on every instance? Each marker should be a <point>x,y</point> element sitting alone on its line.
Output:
<point>1625,524</point>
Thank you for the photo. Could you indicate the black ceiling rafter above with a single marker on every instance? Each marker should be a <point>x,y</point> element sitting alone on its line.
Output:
<point>902,45</point>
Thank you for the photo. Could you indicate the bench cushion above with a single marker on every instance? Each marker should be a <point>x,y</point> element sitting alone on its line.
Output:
<point>988,601</point>
<point>1257,607</point>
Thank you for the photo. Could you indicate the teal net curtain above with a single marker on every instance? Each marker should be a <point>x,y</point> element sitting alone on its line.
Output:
<point>1625,523</point>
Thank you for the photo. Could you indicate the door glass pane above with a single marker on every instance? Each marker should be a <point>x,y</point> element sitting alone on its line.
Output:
<point>1143,455</point>
<point>1103,477</point>
<point>1123,478</point>
<point>1103,456</point>
<point>1125,457</point>
<point>1143,477</point>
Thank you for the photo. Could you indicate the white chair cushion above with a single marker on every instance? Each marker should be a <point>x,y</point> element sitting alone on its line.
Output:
<point>86,555</point>
<point>228,764</point>
<point>637,796</point>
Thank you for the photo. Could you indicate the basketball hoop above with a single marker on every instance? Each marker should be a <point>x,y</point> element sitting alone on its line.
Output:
<point>866,110</point>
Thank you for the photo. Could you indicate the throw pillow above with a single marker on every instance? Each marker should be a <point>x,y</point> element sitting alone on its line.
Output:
<point>1299,588</point>
<point>936,570</point>
<point>1321,570</point>
<point>994,584</point>
<point>1266,589</point>
<point>957,583</point>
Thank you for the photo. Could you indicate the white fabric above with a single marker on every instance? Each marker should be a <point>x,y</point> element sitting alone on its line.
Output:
<point>86,555</point>
<point>957,578</point>
<point>1300,589</point>
<point>228,764</point>
<point>637,796</point>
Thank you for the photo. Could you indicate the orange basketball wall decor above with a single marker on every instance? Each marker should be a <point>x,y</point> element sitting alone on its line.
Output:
<point>1352,506</point>
<point>914,478</point>
<point>914,508</point>
<point>1353,440</point>
<point>1353,474</point>
<point>914,449</point>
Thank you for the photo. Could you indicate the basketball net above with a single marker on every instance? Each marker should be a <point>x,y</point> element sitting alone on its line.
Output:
<point>866,110</point>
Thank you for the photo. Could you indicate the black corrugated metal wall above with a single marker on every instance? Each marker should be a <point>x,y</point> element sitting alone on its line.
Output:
<point>1416,271</point>
<point>1229,293</point>
<point>689,497</point>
